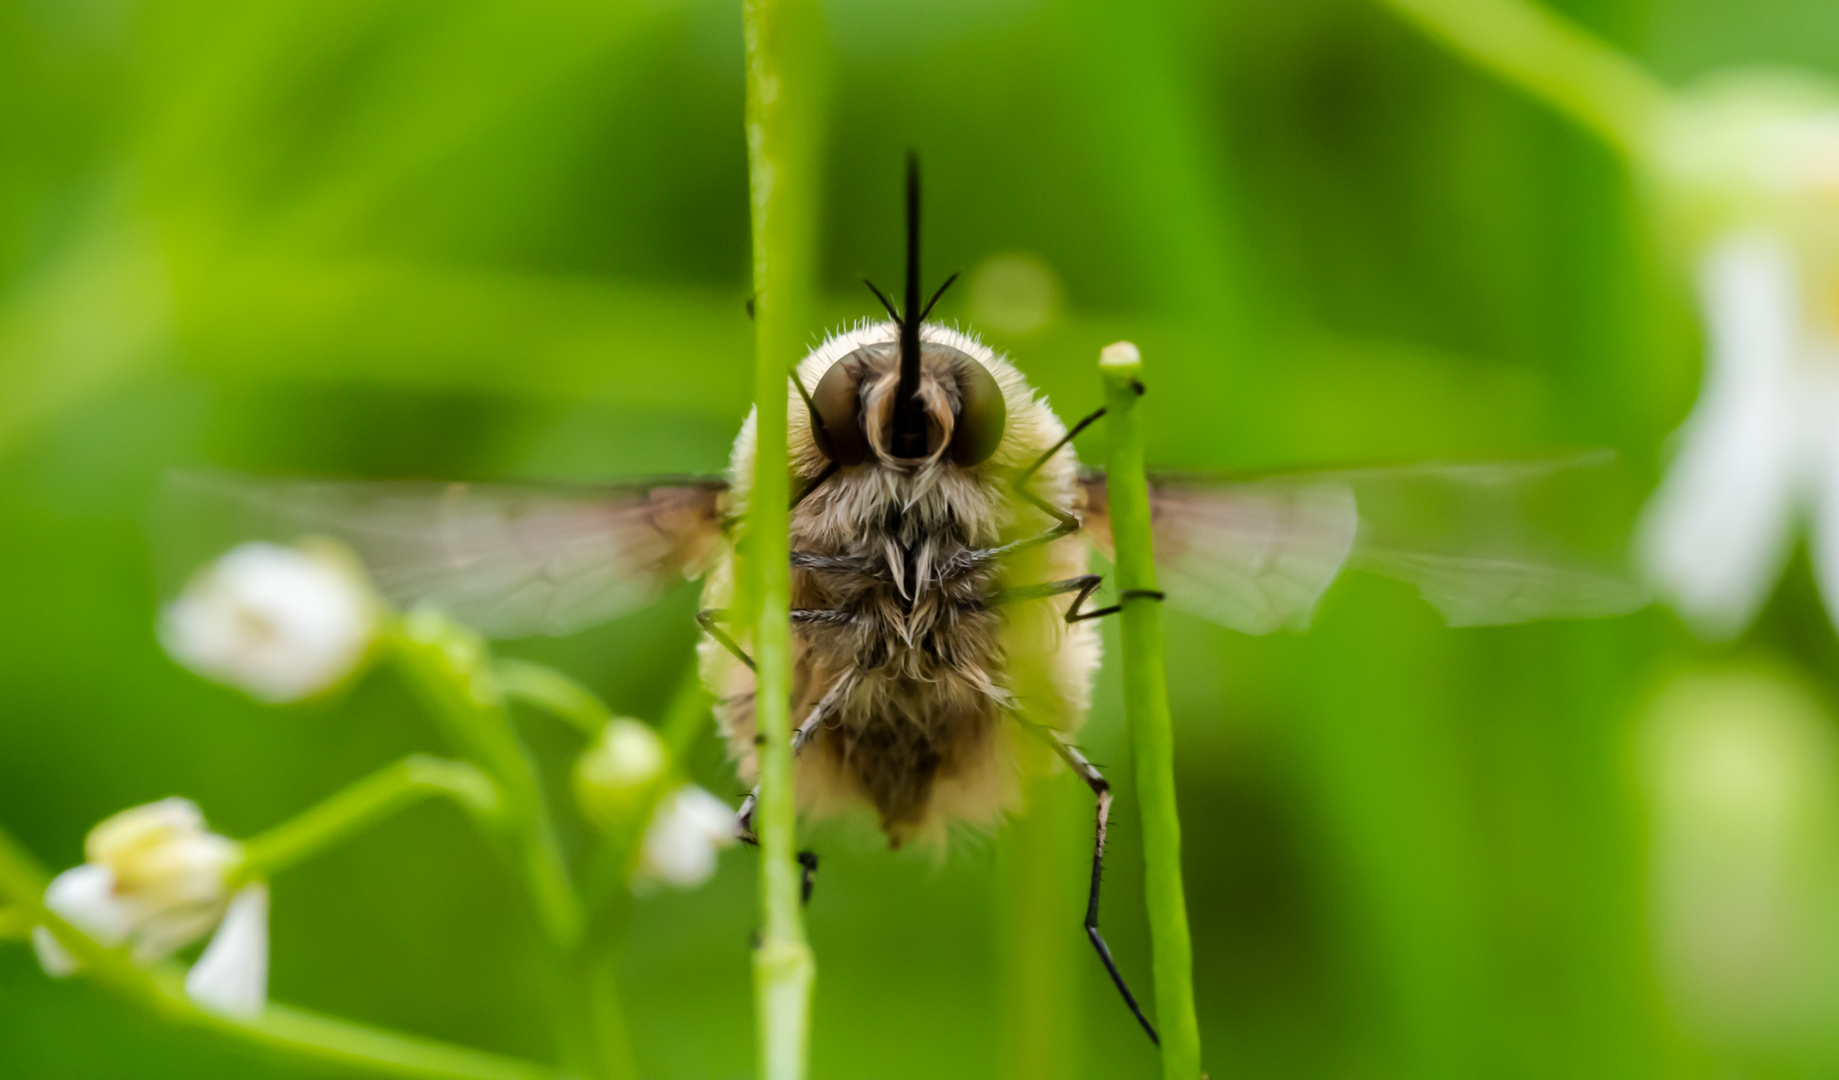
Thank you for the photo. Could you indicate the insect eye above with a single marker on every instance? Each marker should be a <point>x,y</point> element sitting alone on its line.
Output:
<point>981,414</point>
<point>838,402</point>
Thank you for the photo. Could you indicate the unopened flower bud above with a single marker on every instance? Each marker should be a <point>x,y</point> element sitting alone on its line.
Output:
<point>614,776</point>
<point>281,623</point>
<point>687,832</point>
<point>156,879</point>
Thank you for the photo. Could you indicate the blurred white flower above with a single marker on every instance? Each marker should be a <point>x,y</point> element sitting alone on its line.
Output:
<point>231,977</point>
<point>1742,782</point>
<point>155,879</point>
<point>281,623</point>
<point>687,831</point>
<point>1749,171</point>
<point>614,776</point>
<point>1014,293</point>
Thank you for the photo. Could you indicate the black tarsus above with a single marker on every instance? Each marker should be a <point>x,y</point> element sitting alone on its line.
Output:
<point>1085,585</point>
<point>1102,789</point>
<point>807,880</point>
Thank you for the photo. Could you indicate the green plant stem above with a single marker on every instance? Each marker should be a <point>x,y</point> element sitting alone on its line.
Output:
<point>280,1030</point>
<point>1551,59</point>
<point>367,802</point>
<point>450,667</point>
<point>554,693</point>
<point>597,984</point>
<point>783,76</point>
<point>1146,708</point>
<point>685,717</point>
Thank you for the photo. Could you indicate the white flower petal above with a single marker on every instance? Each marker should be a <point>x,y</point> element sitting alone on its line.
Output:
<point>232,975</point>
<point>1822,426</point>
<point>84,896</point>
<point>280,623</point>
<point>52,956</point>
<point>688,829</point>
<point>1716,534</point>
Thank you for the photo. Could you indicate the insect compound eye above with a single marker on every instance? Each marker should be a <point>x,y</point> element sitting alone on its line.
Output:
<point>982,413</point>
<point>838,401</point>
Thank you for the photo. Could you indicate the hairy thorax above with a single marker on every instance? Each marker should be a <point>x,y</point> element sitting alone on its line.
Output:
<point>891,610</point>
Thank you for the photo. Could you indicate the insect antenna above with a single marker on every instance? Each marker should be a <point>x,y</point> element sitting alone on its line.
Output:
<point>893,313</point>
<point>909,418</point>
<point>935,297</point>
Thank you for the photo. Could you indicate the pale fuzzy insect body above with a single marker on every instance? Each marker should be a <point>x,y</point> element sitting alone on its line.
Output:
<point>925,731</point>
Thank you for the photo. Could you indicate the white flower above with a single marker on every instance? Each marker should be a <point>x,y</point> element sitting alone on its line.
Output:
<point>155,880</point>
<point>613,776</point>
<point>231,977</point>
<point>687,831</point>
<point>281,623</point>
<point>1751,172</point>
<point>1742,784</point>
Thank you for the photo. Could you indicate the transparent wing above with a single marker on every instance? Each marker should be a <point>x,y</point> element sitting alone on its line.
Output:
<point>1255,557</point>
<point>510,561</point>
<point>1485,544</point>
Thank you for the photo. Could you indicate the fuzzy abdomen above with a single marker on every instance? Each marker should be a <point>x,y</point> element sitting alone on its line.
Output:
<point>908,634</point>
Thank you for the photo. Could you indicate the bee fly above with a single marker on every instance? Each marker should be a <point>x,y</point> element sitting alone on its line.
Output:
<point>940,526</point>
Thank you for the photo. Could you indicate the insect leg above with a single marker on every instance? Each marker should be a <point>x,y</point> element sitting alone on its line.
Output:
<point>808,861</point>
<point>707,618</point>
<point>1064,524</point>
<point>1085,585</point>
<point>1102,789</point>
<point>743,818</point>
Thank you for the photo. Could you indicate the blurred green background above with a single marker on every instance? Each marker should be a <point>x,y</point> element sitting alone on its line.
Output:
<point>508,238</point>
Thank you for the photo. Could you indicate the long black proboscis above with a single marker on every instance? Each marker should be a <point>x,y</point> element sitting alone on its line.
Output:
<point>909,418</point>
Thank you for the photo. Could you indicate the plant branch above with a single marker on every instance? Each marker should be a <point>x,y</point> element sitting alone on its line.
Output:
<point>448,665</point>
<point>280,1030</point>
<point>366,803</point>
<point>1550,58</point>
<point>783,58</point>
<point>451,668</point>
<point>554,693</point>
<point>1146,708</point>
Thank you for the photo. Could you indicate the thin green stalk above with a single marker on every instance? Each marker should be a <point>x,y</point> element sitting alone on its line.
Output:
<point>687,714</point>
<point>1551,59</point>
<point>280,1030</point>
<point>1146,708</point>
<point>597,983</point>
<point>554,693</point>
<point>364,804</point>
<point>450,667</point>
<point>783,55</point>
